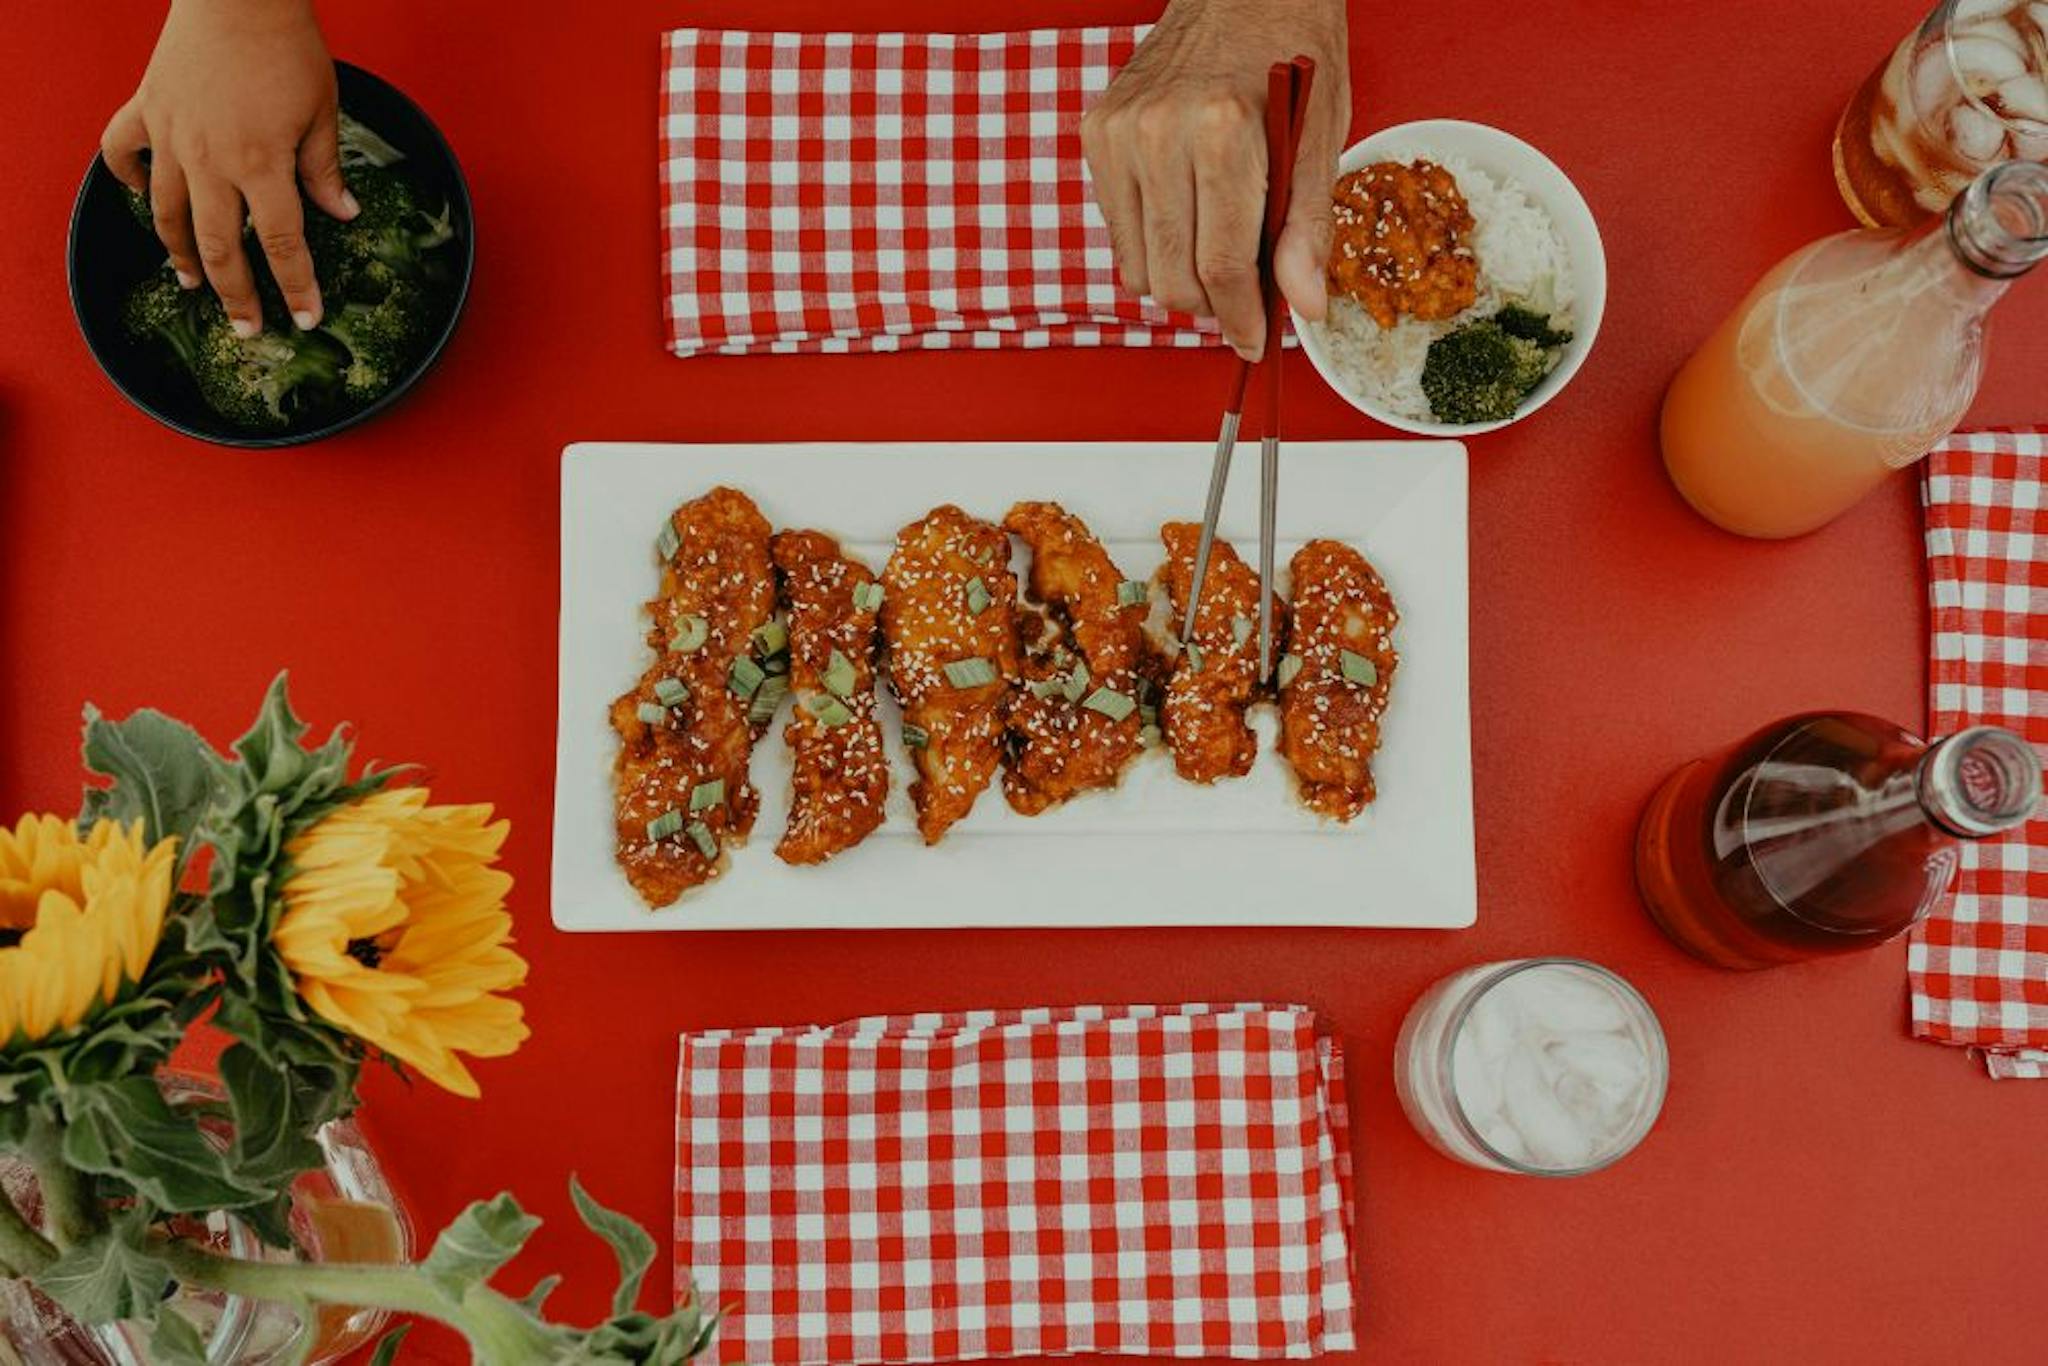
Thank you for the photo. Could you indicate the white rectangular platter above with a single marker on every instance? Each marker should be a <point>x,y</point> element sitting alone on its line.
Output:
<point>1154,851</point>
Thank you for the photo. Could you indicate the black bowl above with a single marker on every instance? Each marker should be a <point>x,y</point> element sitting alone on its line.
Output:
<point>111,252</point>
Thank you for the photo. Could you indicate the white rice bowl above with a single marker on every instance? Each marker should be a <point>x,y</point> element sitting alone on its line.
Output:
<point>1535,243</point>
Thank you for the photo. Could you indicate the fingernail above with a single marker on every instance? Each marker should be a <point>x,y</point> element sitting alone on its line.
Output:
<point>187,280</point>
<point>304,319</point>
<point>349,207</point>
<point>244,328</point>
<point>1248,353</point>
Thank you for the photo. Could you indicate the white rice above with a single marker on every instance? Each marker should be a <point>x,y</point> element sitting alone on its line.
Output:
<point>1520,254</point>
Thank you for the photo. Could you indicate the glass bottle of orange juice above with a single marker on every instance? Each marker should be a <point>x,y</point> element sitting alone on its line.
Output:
<point>1848,361</point>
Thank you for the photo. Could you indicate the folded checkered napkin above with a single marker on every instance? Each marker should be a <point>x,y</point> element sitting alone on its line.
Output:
<point>1979,965</point>
<point>1137,1180</point>
<point>877,192</point>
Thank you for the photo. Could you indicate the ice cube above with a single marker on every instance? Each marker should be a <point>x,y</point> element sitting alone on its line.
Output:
<point>1984,62</point>
<point>2025,97</point>
<point>1548,1130</point>
<point>1975,134</point>
<point>2031,146</point>
<point>1969,12</point>
<point>1934,84</point>
<point>2036,18</point>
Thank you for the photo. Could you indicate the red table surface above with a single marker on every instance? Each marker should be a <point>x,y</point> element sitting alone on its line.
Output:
<point>1819,1188</point>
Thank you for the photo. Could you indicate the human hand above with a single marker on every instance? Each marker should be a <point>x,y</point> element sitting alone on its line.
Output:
<point>1177,150</point>
<point>237,109</point>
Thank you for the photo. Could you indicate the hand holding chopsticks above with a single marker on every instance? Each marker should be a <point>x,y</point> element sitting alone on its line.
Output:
<point>1287,92</point>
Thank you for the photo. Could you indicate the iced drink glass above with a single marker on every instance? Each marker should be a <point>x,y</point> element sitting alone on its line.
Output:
<point>1965,90</point>
<point>1538,1066</point>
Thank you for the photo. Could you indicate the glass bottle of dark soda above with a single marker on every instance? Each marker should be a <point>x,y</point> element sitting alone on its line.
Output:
<point>1824,833</point>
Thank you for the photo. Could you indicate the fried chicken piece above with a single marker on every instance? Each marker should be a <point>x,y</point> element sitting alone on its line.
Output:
<point>683,730</point>
<point>1213,684</point>
<point>1330,719</point>
<point>1076,723</point>
<point>930,621</point>
<point>1401,242</point>
<point>840,774</point>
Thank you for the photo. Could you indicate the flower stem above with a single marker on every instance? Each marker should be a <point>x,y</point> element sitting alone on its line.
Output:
<point>70,1210</point>
<point>498,1329</point>
<point>23,1251</point>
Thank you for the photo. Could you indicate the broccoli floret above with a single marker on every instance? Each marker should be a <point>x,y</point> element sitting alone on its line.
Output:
<point>1480,373</point>
<point>161,311</point>
<point>1518,320</point>
<point>392,239</point>
<point>267,381</point>
<point>382,339</point>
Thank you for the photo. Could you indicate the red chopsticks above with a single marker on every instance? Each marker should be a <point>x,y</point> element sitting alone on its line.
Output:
<point>1287,91</point>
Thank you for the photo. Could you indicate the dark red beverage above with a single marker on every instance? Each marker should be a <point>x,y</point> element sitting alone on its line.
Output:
<point>1823,833</point>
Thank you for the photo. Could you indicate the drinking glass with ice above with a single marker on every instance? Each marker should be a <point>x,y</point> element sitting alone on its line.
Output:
<point>1965,90</point>
<point>1539,1066</point>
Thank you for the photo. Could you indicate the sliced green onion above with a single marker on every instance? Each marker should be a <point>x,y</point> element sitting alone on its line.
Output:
<point>771,638</point>
<point>1241,629</point>
<point>974,672</point>
<point>690,634</point>
<point>664,825</point>
<point>767,700</point>
<point>651,713</point>
<point>707,794</point>
<point>668,542</point>
<point>977,597</point>
<point>745,676</point>
<point>671,692</point>
<point>1194,656</point>
<point>1148,735</point>
<point>1131,592</point>
<point>1110,703</point>
<point>1290,666</point>
<point>1359,669</point>
<point>830,711</point>
<point>1148,715</point>
<point>1042,688</point>
<point>839,676</point>
<point>776,664</point>
<point>1148,691</point>
<point>1076,685</point>
<point>701,836</point>
<point>867,596</point>
<point>915,737</point>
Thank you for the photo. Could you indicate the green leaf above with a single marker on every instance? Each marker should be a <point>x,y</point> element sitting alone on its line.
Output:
<point>125,1129</point>
<point>175,1342</point>
<point>162,774</point>
<point>105,1278</point>
<point>629,1243</point>
<point>481,1240</point>
<point>387,1346</point>
<point>273,1143</point>
<point>538,1296</point>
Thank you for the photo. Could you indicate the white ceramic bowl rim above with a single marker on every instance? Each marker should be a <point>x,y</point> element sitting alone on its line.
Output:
<point>1502,153</point>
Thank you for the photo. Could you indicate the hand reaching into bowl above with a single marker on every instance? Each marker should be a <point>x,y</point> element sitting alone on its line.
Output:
<point>1177,150</point>
<point>237,109</point>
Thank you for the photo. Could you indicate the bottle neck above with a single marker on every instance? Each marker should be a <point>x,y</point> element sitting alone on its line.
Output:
<point>1997,228</point>
<point>1979,782</point>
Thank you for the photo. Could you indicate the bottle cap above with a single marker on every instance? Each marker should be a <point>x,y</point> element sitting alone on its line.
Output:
<point>1981,781</point>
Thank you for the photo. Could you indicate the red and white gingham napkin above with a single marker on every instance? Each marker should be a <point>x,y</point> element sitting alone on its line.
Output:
<point>1171,1181</point>
<point>878,192</point>
<point>1979,965</point>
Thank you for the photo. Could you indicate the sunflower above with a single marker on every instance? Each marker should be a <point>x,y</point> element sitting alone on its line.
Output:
<point>395,931</point>
<point>79,916</point>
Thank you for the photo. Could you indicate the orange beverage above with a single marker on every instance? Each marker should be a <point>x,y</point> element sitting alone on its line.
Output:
<point>1849,360</point>
<point>349,1231</point>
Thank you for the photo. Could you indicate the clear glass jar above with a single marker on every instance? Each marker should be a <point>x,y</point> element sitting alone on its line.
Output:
<point>1538,1066</point>
<point>345,1211</point>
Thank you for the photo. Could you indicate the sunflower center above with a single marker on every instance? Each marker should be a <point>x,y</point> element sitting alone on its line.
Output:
<point>368,952</point>
<point>10,936</point>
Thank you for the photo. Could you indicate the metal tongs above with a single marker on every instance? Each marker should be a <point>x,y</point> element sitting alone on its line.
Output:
<point>1287,87</point>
